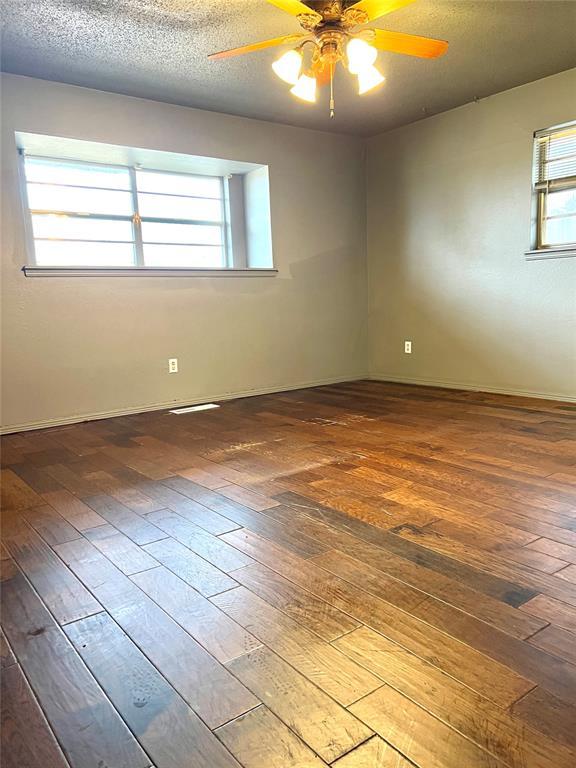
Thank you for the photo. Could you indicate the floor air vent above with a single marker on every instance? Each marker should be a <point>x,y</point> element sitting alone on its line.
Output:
<point>192,408</point>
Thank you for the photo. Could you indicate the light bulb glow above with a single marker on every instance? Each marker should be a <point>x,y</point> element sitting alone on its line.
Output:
<point>288,67</point>
<point>360,55</point>
<point>305,89</point>
<point>369,78</point>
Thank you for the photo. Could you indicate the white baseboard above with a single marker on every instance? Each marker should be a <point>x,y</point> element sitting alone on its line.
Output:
<point>449,384</point>
<point>169,404</point>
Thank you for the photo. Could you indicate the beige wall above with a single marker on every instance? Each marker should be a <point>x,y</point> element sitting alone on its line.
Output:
<point>448,224</point>
<point>84,346</point>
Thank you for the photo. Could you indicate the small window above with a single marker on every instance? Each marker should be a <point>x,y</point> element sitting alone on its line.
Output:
<point>554,189</point>
<point>89,215</point>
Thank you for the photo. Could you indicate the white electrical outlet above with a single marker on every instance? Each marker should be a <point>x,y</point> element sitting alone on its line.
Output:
<point>173,365</point>
<point>408,347</point>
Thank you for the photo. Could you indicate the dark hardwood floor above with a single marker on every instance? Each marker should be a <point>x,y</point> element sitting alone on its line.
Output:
<point>363,575</point>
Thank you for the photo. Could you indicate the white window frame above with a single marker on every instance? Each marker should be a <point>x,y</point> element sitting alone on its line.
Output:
<point>540,190</point>
<point>234,260</point>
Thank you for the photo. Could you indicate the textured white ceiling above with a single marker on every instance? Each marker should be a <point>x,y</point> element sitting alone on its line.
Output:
<point>157,49</point>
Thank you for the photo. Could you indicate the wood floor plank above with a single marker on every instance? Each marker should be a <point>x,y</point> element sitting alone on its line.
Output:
<point>39,480</point>
<point>88,728</point>
<point>529,580</point>
<point>468,665</point>
<point>133,525</point>
<point>502,589</point>
<point>121,550</point>
<point>375,753</point>
<point>7,658</point>
<point>372,570</point>
<point>26,740</point>
<point>168,729</point>
<point>329,669</point>
<point>484,535</point>
<point>552,532</point>
<point>63,593</point>
<point>73,509</point>
<point>548,714</point>
<point>247,518</point>
<point>554,548</point>
<point>206,518</point>
<point>200,476</point>
<point>16,494</point>
<point>190,567</point>
<point>528,661</point>
<point>491,728</point>
<point>416,734</point>
<point>326,727</point>
<point>317,615</point>
<point>212,692</point>
<point>51,526</point>
<point>255,501</point>
<point>260,740</point>
<point>568,573</point>
<point>536,560</point>
<point>113,485</point>
<point>557,613</point>
<point>208,546</point>
<point>211,627</point>
<point>557,641</point>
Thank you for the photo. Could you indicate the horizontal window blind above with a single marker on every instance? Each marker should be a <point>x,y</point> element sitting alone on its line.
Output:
<point>555,158</point>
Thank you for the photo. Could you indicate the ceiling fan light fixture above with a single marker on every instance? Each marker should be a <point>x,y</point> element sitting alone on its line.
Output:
<point>288,67</point>
<point>360,55</point>
<point>305,89</point>
<point>369,78</point>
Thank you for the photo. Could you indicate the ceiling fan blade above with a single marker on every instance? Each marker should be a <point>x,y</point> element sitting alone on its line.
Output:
<point>256,46</point>
<point>376,8</point>
<point>293,7</point>
<point>412,45</point>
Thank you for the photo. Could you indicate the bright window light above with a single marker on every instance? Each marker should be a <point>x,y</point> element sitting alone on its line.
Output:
<point>89,215</point>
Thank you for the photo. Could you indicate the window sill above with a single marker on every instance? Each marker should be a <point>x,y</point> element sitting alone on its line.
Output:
<point>550,253</point>
<point>33,271</point>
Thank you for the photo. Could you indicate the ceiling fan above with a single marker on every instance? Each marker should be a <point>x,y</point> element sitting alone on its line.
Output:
<point>329,30</point>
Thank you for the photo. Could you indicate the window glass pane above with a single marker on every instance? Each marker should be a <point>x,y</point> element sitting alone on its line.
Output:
<point>61,227</point>
<point>176,184</point>
<point>560,231</point>
<point>187,234</point>
<point>50,197</point>
<point>199,256</point>
<point>54,254</point>
<point>561,203</point>
<point>167,207</point>
<point>57,172</point>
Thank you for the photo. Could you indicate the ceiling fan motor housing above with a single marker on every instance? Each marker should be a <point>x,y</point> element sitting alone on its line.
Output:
<point>331,44</point>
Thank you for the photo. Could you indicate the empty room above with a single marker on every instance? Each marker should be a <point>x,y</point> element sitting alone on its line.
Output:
<point>288,384</point>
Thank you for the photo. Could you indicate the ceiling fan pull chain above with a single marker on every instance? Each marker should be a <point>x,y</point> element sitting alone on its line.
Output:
<point>331,90</point>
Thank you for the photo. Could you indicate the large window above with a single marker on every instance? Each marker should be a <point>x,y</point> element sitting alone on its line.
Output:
<point>93,215</point>
<point>554,187</point>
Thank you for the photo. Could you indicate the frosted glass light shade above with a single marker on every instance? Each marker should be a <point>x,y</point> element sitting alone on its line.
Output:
<point>305,89</point>
<point>369,78</point>
<point>360,55</point>
<point>288,67</point>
